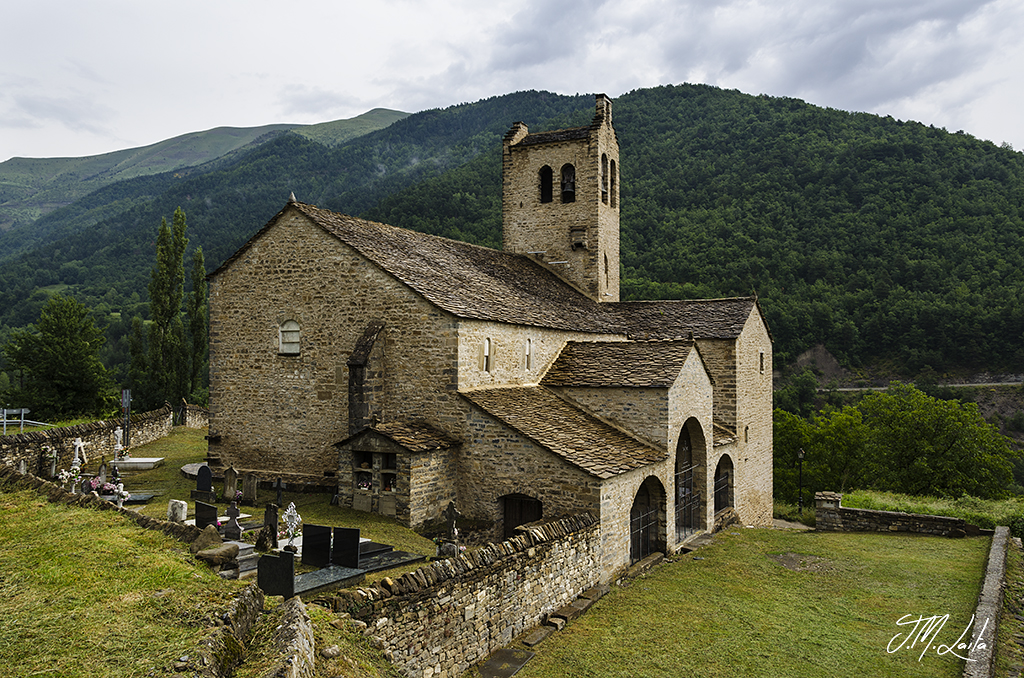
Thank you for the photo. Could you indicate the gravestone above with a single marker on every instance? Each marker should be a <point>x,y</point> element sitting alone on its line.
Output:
<point>316,545</point>
<point>345,551</point>
<point>22,466</point>
<point>177,510</point>
<point>270,519</point>
<point>275,574</point>
<point>206,514</point>
<point>279,486</point>
<point>86,486</point>
<point>230,484</point>
<point>250,486</point>
<point>103,470</point>
<point>233,531</point>
<point>204,486</point>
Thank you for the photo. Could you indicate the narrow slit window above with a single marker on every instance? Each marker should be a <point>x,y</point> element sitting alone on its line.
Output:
<point>488,355</point>
<point>529,354</point>
<point>615,186</point>
<point>604,178</point>
<point>288,338</point>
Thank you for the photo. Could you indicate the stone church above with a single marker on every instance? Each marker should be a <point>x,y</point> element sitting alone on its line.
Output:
<point>408,370</point>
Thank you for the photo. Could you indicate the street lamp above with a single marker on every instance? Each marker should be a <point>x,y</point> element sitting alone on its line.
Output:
<point>800,498</point>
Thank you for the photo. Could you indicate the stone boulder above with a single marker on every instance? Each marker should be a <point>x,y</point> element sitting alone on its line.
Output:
<point>209,538</point>
<point>219,555</point>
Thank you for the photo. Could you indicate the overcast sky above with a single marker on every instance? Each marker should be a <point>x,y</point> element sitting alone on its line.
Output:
<point>82,77</point>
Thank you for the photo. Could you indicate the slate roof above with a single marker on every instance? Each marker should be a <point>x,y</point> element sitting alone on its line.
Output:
<point>567,431</point>
<point>484,284</point>
<point>554,136</point>
<point>654,364</point>
<point>415,436</point>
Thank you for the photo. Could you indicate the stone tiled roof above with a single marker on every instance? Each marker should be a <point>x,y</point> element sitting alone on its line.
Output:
<point>466,280</point>
<point>567,431</point>
<point>555,136</point>
<point>484,284</point>
<point>704,318</point>
<point>653,364</point>
<point>413,436</point>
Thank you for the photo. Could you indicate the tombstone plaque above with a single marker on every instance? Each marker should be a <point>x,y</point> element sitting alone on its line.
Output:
<point>103,470</point>
<point>206,514</point>
<point>204,486</point>
<point>270,518</point>
<point>177,510</point>
<point>275,574</point>
<point>250,486</point>
<point>346,547</point>
<point>316,545</point>
<point>230,484</point>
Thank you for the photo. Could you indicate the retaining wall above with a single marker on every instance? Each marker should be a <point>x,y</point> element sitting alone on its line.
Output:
<point>450,614</point>
<point>30,452</point>
<point>831,516</point>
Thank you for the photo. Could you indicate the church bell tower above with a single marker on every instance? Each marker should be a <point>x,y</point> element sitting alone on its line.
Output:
<point>560,201</point>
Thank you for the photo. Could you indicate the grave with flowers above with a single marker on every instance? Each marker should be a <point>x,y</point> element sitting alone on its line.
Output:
<point>342,556</point>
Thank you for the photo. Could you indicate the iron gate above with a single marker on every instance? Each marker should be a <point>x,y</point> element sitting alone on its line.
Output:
<point>687,504</point>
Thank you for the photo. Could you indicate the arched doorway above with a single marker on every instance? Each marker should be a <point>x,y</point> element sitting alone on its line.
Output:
<point>724,484</point>
<point>647,520</point>
<point>689,479</point>
<point>519,509</point>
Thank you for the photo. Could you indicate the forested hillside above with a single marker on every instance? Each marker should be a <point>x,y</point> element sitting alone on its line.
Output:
<point>892,243</point>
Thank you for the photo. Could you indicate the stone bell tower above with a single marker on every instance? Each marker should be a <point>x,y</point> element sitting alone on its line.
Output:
<point>560,201</point>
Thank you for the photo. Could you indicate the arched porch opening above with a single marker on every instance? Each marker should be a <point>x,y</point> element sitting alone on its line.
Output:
<point>724,481</point>
<point>691,458</point>
<point>647,520</point>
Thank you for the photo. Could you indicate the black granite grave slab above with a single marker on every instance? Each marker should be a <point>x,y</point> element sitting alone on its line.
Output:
<point>206,514</point>
<point>346,547</point>
<point>316,545</point>
<point>504,663</point>
<point>370,548</point>
<point>325,579</point>
<point>385,560</point>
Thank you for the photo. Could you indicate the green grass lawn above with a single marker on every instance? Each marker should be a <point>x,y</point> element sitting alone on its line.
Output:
<point>738,612</point>
<point>88,593</point>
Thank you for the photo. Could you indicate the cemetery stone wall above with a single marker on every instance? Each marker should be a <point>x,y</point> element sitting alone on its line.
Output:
<point>831,516</point>
<point>450,614</point>
<point>33,448</point>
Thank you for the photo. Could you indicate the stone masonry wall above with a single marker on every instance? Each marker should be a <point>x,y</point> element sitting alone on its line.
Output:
<point>273,411</point>
<point>504,462</point>
<point>754,433</point>
<point>831,516</point>
<point>450,614</point>
<point>32,449</point>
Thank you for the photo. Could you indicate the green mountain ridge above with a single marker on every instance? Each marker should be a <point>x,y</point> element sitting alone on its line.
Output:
<point>33,187</point>
<point>891,243</point>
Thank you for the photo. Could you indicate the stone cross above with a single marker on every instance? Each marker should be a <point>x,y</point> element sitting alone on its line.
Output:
<point>120,495</point>
<point>117,437</point>
<point>233,530</point>
<point>80,457</point>
<point>450,515</point>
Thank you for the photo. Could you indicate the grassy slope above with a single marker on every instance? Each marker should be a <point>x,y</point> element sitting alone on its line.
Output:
<point>86,593</point>
<point>738,612</point>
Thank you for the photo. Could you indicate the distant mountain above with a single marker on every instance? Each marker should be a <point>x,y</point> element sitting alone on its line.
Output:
<point>32,187</point>
<point>891,243</point>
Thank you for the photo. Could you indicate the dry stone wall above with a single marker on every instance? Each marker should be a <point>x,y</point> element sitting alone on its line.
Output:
<point>831,516</point>
<point>30,452</point>
<point>446,616</point>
